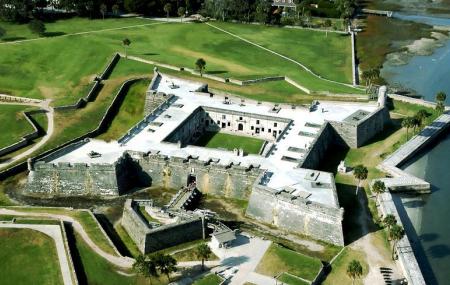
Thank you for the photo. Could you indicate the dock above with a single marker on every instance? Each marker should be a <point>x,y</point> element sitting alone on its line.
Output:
<point>378,12</point>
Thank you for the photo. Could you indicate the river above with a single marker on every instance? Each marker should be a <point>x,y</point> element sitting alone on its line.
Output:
<point>427,215</point>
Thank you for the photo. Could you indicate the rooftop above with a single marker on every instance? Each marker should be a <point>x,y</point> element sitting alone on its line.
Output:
<point>280,165</point>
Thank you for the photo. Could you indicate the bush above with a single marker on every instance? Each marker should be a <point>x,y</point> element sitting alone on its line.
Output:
<point>37,27</point>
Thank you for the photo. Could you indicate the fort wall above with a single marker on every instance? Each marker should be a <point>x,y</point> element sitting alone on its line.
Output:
<point>295,214</point>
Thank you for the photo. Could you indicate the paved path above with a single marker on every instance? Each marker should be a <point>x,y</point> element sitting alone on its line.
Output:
<point>50,128</point>
<point>82,33</point>
<point>120,261</point>
<point>244,255</point>
<point>54,232</point>
<point>284,57</point>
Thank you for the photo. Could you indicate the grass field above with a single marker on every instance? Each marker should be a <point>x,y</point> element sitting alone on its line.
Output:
<point>13,124</point>
<point>338,274</point>
<point>230,142</point>
<point>57,75</point>
<point>28,257</point>
<point>210,279</point>
<point>278,259</point>
<point>291,280</point>
<point>131,111</point>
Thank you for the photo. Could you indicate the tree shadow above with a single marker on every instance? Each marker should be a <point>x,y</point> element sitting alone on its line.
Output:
<point>150,53</point>
<point>53,34</point>
<point>216,72</point>
<point>13,39</point>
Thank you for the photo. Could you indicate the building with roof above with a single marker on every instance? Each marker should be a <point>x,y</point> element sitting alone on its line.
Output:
<point>280,183</point>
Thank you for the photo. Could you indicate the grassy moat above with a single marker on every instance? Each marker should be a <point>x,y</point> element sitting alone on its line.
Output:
<point>230,142</point>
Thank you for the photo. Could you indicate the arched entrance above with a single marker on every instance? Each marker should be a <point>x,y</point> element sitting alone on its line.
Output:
<point>240,127</point>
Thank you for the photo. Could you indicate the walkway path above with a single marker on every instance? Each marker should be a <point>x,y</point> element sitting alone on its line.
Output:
<point>120,261</point>
<point>282,56</point>
<point>53,231</point>
<point>374,257</point>
<point>81,33</point>
<point>45,105</point>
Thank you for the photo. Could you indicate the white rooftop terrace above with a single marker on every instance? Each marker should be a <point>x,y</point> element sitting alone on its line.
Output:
<point>283,173</point>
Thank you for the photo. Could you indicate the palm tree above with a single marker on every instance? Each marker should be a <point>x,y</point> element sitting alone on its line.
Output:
<point>203,251</point>
<point>200,64</point>
<point>378,187</point>
<point>166,264</point>
<point>181,11</point>
<point>146,268</point>
<point>389,221</point>
<point>167,8</point>
<point>440,107</point>
<point>360,172</point>
<point>420,116</point>
<point>126,43</point>
<point>354,270</point>
<point>407,123</point>
<point>115,9</point>
<point>103,10</point>
<point>441,96</point>
<point>396,233</point>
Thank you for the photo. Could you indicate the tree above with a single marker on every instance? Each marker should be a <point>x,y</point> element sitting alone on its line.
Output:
<point>37,27</point>
<point>441,96</point>
<point>389,221</point>
<point>146,268</point>
<point>103,10</point>
<point>360,172</point>
<point>407,123</point>
<point>203,251</point>
<point>396,233</point>
<point>354,270</point>
<point>440,102</point>
<point>2,32</point>
<point>262,11</point>
<point>166,264</point>
<point>378,187</point>
<point>167,9</point>
<point>181,11</point>
<point>420,116</point>
<point>126,43</point>
<point>200,64</point>
<point>115,9</point>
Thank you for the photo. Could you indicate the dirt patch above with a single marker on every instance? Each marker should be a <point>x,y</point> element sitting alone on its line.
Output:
<point>50,92</point>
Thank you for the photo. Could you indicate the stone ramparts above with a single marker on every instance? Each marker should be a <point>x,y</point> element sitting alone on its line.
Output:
<point>210,176</point>
<point>406,257</point>
<point>296,214</point>
<point>149,238</point>
<point>401,180</point>
<point>315,154</point>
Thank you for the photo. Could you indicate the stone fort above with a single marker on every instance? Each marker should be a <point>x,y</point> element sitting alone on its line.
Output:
<point>280,182</point>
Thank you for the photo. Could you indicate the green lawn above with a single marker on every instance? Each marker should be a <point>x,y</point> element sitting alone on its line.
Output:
<point>210,279</point>
<point>130,113</point>
<point>278,259</point>
<point>291,280</point>
<point>230,142</point>
<point>84,218</point>
<point>28,257</point>
<point>338,274</point>
<point>13,124</point>
<point>62,75</point>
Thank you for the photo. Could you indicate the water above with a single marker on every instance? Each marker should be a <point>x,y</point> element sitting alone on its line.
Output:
<point>426,75</point>
<point>428,216</point>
